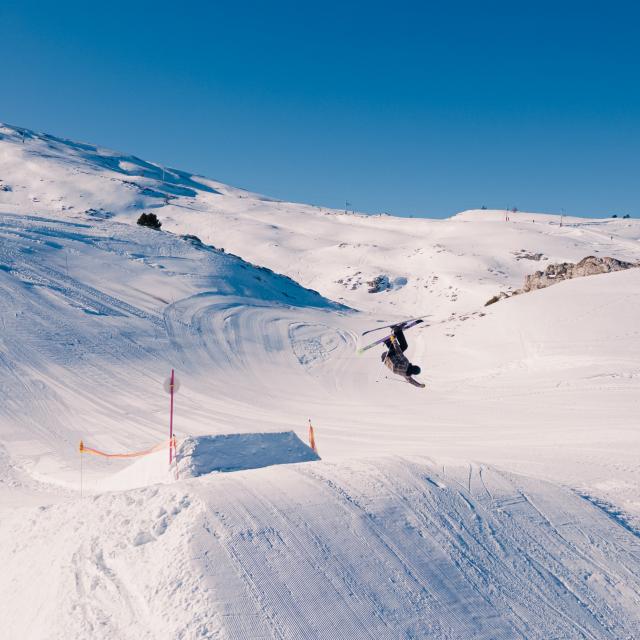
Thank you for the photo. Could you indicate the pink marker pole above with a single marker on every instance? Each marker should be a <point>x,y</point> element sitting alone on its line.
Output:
<point>171,385</point>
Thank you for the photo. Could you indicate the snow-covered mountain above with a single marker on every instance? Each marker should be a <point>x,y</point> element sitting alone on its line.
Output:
<point>435,267</point>
<point>500,502</point>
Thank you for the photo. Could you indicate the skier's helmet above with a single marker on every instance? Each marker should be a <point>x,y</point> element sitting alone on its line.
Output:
<point>414,370</point>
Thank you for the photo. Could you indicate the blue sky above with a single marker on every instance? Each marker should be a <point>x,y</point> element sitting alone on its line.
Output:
<point>422,108</point>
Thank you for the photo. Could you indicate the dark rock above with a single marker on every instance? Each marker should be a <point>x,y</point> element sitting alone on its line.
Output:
<point>554,273</point>
<point>591,265</point>
<point>495,299</point>
<point>378,284</point>
<point>193,240</point>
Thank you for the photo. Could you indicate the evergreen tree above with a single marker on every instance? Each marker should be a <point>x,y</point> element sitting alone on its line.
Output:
<point>149,220</point>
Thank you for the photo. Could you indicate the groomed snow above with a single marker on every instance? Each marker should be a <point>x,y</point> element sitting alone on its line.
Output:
<point>500,502</point>
<point>368,549</point>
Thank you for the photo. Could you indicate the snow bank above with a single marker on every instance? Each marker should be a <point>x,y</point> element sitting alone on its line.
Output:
<point>152,469</point>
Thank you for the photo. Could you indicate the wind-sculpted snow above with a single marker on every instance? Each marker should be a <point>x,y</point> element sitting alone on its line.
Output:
<point>80,155</point>
<point>395,549</point>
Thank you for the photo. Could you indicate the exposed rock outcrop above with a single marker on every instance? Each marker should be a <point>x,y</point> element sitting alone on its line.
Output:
<point>523,254</point>
<point>566,270</point>
<point>378,284</point>
<point>497,298</point>
<point>558,272</point>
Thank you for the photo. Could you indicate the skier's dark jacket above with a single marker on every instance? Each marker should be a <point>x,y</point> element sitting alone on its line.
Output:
<point>395,359</point>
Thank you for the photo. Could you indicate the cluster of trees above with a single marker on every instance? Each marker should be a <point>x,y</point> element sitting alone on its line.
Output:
<point>149,220</point>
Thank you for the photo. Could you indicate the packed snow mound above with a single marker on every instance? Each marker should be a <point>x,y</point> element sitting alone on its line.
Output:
<point>576,332</point>
<point>148,470</point>
<point>200,455</point>
<point>402,548</point>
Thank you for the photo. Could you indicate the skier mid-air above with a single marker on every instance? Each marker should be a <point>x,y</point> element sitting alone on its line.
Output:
<point>395,359</point>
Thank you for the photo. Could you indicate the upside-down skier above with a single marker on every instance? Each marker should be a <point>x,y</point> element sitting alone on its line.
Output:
<point>395,359</point>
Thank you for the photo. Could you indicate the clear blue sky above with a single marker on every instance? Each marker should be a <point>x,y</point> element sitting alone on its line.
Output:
<point>423,108</point>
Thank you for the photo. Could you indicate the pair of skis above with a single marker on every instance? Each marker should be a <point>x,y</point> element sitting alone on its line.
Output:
<point>407,324</point>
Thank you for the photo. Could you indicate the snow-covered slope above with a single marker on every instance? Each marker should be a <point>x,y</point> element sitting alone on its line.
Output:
<point>377,549</point>
<point>433,267</point>
<point>95,315</point>
<point>500,502</point>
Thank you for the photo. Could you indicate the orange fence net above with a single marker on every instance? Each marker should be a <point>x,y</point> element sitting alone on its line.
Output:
<point>132,454</point>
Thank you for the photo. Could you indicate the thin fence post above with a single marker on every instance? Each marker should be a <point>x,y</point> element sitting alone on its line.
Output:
<point>171,385</point>
<point>80,448</point>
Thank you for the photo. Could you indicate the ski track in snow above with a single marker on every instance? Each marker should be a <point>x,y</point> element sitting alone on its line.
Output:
<point>373,549</point>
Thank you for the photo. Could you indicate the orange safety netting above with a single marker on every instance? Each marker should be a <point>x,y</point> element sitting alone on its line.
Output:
<point>133,454</point>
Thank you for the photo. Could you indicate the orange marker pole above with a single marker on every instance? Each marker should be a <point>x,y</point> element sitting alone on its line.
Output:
<point>312,440</point>
<point>81,449</point>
